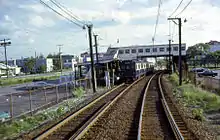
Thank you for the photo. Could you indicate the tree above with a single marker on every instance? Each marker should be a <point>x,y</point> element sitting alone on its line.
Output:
<point>42,69</point>
<point>197,50</point>
<point>29,64</point>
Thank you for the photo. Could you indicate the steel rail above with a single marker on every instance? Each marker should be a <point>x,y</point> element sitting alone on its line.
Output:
<point>168,113</point>
<point>142,107</point>
<point>83,131</point>
<point>63,122</point>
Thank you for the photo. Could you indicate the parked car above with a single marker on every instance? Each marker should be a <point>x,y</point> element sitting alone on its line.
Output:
<point>38,85</point>
<point>198,70</point>
<point>207,73</point>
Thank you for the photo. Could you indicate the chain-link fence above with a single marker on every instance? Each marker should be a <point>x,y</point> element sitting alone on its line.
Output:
<point>29,101</point>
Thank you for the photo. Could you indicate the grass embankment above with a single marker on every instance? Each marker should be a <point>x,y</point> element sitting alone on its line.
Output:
<point>27,123</point>
<point>14,81</point>
<point>199,100</point>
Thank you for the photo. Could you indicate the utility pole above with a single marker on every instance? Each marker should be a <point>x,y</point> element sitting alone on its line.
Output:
<point>96,48</point>
<point>35,67</point>
<point>91,56</point>
<point>60,58</point>
<point>4,44</point>
<point>170,69</point>
<point>180,48</point>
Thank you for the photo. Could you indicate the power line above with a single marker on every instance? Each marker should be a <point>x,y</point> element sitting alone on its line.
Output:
<point>43,3</point>
<point>184,8</point>
<point>176,8</point>
<point>68,12</point>
<point>157,20</point>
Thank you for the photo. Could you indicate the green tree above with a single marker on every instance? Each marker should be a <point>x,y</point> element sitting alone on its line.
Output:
<point>197,50</point>
<point>29,64</point>
<point>42,69</point>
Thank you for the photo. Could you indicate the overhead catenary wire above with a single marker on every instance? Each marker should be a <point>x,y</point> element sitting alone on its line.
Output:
<point>184,8</point>
<point>68,12</point>
<point>176,8</point>
<point>43,3</point>
<point>157,20</point>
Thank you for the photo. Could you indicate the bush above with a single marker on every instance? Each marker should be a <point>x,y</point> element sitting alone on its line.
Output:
<point>198,114</point>
<point>78,92</point>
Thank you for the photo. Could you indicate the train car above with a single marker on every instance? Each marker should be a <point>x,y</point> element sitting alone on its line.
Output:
<point>130,70</point>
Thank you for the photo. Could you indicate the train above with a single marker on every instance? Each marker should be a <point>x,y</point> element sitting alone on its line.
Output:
<point>122,70</point>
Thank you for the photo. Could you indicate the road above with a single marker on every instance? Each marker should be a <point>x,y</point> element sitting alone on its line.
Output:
<point>21,102</point>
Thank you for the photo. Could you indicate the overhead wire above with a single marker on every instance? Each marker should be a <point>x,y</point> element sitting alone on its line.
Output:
<point>176,8</point>
<point>43,3</point>
<point>184,8</point>
<point>68,12</point>
<point>157,20</point>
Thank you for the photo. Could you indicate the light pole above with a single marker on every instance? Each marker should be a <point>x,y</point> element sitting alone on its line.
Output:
<point>180,47</point>
<point>4,43</point>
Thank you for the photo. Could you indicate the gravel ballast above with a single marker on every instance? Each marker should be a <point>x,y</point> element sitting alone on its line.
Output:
<point>121,120</point>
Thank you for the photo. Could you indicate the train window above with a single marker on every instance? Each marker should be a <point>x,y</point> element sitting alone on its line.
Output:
<point>154,49</point>
<point>121,52</point>
<point>127,67</point>
<point>127,51</point>
<point>161,49</point>
<point>147,50</point>
<point>175,48</point>
<point>183,48</point>
<point>133,51</point>
<point>168,49</point>
<point>140,50</point>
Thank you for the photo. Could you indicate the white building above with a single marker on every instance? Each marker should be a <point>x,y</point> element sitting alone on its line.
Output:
<point>12,70</point>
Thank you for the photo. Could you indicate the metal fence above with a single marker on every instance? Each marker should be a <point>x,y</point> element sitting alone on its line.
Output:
<point>30,101</point>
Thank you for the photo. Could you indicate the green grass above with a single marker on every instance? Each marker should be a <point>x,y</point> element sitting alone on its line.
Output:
<point>78,92</point>
<point>174,78</point>
<point>7,82</point>
<point>196,98</point>
<point>26,123</point>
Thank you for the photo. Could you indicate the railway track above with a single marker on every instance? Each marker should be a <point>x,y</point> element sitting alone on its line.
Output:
<point>120,121</point>
<point>138,111</point>
<point>159,117</point>
<point>75,125</point>
<point>70,125</point>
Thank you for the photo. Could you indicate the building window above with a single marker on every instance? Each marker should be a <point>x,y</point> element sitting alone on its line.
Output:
<point>175,48</point>
<point>133,51</point>
<point>161,49</point>
<point>127,51</point>
<point>121,51</point>
<point>183,48</point>
<point>154,49</point>
<point>140,50</point>
<point>147,50</point>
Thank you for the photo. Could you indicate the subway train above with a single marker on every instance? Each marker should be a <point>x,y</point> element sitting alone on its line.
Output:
<point>122,70</point>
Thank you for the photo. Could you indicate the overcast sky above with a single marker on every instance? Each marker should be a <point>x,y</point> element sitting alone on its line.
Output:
<point>31,26</point>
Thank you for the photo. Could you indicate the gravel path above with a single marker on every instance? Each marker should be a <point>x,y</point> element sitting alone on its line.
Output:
<point>121,120</point>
